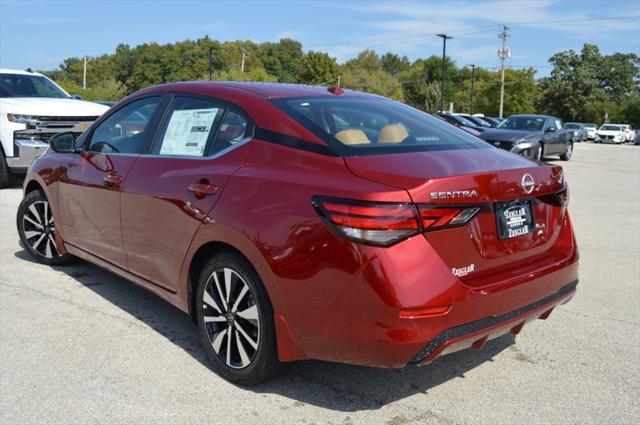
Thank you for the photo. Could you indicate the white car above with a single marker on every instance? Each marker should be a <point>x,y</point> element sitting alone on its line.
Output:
<point>32,109</point>
<point>629,132</point>
<point>613,133</point>
<point>592,129</point>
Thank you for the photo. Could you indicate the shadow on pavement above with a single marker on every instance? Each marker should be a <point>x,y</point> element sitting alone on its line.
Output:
<point>339,387</point>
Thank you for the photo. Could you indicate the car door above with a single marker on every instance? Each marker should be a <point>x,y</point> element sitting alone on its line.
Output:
<point>90,182</point>
<point>551,137</point>
<point>171,190</point>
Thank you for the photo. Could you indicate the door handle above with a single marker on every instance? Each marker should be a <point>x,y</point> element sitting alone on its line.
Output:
<point>203,189</point>
<point>113,180</point>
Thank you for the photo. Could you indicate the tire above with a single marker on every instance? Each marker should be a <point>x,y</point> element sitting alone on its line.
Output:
<point>6,179</point>
<point>568,152</point>
<point>36,230</point>
<point>231,300</point>
<point>539,153</point>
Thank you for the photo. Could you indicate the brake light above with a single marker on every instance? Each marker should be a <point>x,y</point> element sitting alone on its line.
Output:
<point>437,218</point>
<point>374,223</point>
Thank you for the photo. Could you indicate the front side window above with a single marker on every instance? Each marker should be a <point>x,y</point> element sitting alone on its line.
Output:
<point>354,125</point>
<point>189,127</point>
<point>558,124</point>
<point>124,131</point>
<point>20,85</point>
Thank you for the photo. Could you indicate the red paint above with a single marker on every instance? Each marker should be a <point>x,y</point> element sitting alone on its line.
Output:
<point>145,218</point>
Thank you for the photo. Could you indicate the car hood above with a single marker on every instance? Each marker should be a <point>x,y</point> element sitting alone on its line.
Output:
<point>610,132</point>
<point>50,107</point>
<point>508,135</point>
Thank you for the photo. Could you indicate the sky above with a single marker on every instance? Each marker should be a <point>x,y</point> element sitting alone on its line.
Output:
<point>40,34</point>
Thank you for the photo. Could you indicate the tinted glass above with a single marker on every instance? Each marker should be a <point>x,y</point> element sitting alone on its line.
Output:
<point>523,123</point>
<point>369,125</point>
<point>18,85</point>
<point>572,125</point>
<point>189,127</point>
<point>235,128</point>
<point>124,131</point>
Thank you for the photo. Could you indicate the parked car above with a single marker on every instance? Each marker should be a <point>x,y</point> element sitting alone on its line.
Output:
<point>637,138</point>
<point>534,136</point>
<point>295,222</point>
<point>476,120</point>
<point>460,121</point>
<point>591,130</point>
<point>32,109</point>
<point>492,121</point>
<point>580,133</point>
<point>629,132</point>
<point>612,133</point>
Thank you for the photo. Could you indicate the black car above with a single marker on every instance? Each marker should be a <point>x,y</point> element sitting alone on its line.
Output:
<point>493,122</point>
<point>534,136</point>
<point>460,121</point>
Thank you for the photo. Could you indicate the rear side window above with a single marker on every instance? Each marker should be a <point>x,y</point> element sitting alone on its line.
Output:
<point>361,125</point>
<point>189,127</point>
<point>234,128</point>
<point>124,131</point>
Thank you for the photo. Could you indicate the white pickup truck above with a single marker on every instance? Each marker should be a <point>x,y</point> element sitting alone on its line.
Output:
<point>32,109</point>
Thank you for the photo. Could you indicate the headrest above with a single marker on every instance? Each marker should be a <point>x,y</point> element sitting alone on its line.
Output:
<point>352,137</point>
<point>392,133</point>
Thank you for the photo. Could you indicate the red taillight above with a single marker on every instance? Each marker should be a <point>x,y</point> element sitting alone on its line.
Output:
<point>437,218</point>
<point>380,223</point>
<point>369,222</point>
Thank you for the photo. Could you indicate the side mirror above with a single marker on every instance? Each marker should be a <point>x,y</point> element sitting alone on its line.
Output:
<point>63,142</point>
<point>76,96</point>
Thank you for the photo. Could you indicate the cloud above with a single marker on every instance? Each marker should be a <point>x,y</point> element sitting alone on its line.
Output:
<point>409,26</point>
<point>289,34</point>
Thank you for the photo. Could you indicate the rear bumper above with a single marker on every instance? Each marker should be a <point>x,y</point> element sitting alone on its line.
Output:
<point>475,334</point>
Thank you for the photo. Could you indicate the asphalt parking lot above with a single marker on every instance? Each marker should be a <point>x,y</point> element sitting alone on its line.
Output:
<point>80,346</point>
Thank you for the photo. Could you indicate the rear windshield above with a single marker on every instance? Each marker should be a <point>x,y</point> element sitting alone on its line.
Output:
<point>353,125</point>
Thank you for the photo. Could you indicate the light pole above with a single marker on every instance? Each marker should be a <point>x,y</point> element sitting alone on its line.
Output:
<point>473,78</point>
<point>444,37</point>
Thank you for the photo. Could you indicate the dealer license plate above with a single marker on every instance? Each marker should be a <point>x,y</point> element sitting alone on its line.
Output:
<point>514,219</point>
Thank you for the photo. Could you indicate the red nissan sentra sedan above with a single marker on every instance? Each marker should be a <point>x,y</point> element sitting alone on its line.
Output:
<point>296,222</point>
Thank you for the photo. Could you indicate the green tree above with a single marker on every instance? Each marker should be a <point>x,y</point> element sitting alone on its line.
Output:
<point>365,73</point>
<point>282,59</point>
<point>318,68</point>
<point>394,64</point>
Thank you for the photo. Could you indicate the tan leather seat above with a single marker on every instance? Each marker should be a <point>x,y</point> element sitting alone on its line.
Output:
<point>392,133</point>
<point>353,137</point>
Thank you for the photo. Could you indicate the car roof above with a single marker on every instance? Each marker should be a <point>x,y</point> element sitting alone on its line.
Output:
<point>532,116</point>
<point>264,90</point>
<point>17,72</point>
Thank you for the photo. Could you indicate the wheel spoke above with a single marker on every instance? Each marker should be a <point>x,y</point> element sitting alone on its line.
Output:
<point>46,213</point>
<point>219,288</point>
<point>209,319</point>
<point>246,336</point>
<point>250,314</point>
<point>227,283</point>
<point>37,244</point>
<point>244,290</point>
<point>31,233</point>
<point>30,220</point>
<point>244,357</point>
<point>229,336</point>
<point>34,212</point>
<point>47,249</point>
<point>217,341</point>
<point>208,300</point>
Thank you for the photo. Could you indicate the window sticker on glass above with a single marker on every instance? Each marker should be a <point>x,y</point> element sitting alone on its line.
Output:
<point>188,131</point>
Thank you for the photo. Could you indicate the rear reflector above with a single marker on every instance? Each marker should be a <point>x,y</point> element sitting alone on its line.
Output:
<point>424,312</point>
<point>436,218</point>
<point>372,223</point>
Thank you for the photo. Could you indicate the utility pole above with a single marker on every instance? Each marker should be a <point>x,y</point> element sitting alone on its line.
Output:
<point>84,75</point>
<point>473,78</point>
<point>503,54</point>
<point>444,37</point>
<point>339,80</point>
<point>210,63</point>
<point>243,58</point>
